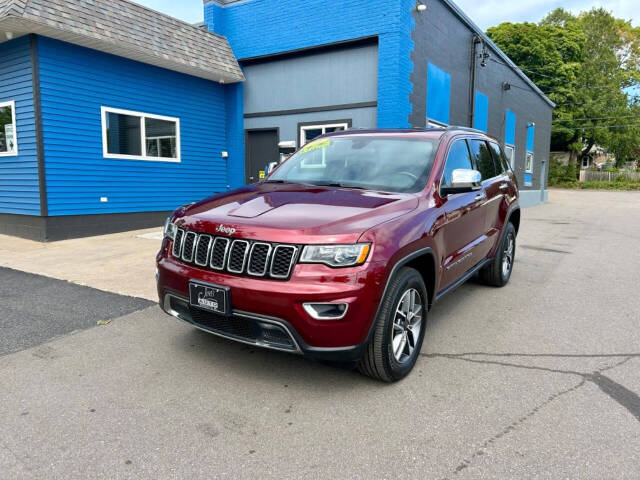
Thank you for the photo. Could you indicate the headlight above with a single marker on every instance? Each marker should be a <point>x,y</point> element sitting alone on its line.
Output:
<point>170,229</point>
<point>336,255</point>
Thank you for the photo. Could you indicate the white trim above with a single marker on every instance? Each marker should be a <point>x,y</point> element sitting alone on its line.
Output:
<point>526,161</point>
<point>143,140</point>
<point>322,126</point>
<point>14,152</point>
<point>512,158</point>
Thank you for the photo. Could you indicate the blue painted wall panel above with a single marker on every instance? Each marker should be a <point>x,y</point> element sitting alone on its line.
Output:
<point>531,134</point>
<point>510,128</point>
<point>438,94</point>
<point>75,83</point>
<point>481,112</point>
<point>262,27</point>
<point>19,190</point>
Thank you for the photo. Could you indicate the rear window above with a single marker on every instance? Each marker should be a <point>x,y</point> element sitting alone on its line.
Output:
<point>483,159</point>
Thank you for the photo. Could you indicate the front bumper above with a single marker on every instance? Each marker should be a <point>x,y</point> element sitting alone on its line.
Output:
<point>266,308</point>
<point>254,329</point>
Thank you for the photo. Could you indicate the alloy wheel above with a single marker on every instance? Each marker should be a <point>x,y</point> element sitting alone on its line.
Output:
<point>507,255</point>
<point>407,325</point>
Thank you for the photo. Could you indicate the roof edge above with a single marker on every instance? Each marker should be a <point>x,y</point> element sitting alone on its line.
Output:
<point>470,23</point>
<point>124,50</point>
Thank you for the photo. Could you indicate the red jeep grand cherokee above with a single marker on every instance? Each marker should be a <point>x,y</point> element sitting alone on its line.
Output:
<point>342,250</point>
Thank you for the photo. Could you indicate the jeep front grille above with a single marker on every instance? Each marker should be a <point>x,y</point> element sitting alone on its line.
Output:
<point>235,256</point>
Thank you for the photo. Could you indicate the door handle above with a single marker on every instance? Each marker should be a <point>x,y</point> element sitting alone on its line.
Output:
<point>481,196</point>
<point>504,186</point>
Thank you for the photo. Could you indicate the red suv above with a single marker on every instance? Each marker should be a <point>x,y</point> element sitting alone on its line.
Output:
<point>342,250</point>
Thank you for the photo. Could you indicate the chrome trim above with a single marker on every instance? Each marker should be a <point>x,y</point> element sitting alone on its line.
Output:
<point>170,311</point>
<point>179,254</point>
<point>195,251</point>
<point>226,251</point>
<point>313,314</point>
<point>291,263</point>
<point>186,234</point>
<point>244,259</point>
<point>266,263</point>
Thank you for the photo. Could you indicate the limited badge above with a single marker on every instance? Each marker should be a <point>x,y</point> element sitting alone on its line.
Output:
<point>261,174</point>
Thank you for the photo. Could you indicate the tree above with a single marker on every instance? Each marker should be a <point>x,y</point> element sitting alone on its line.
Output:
<point>586,64</point>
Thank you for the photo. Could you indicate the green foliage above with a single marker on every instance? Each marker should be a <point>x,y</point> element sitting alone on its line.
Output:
<point>585,64</point>
<point>565,176</point>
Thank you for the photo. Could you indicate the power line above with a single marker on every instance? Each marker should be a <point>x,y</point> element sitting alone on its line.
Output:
<point>590,127</point>
<point>593,118</point>
<point>558,79</point>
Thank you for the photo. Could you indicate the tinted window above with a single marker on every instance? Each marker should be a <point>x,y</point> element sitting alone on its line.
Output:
<point>499,158</point>
<point>482,159</point>
<point>458,158</point>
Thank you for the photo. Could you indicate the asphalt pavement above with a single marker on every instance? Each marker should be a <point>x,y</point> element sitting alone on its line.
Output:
<point>535,380</point>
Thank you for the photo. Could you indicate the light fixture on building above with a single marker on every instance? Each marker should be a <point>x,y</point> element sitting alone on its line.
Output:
<point>421,7</point>
<point>506,86</point>
<point>9,35</point>
<point>531,124</point>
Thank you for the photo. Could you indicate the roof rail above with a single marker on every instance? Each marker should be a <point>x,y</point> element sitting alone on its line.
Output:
<point>466,129</point>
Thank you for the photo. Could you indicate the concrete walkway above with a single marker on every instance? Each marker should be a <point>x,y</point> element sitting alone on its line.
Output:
<point>122,263</point>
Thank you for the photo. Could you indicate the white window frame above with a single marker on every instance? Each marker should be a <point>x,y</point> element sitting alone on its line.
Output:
<point>323,126</point>
<point>512,157</point>
<point>529,168</point>
<point>143,135</point>
<point>588,162</point>
<point>14,152</point>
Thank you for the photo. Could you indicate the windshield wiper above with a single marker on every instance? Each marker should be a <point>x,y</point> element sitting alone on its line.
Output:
<point>339,185</point>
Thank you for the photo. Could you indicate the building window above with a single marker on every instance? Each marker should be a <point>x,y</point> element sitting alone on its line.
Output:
<point>528,175</point>
<point>510,152</point>
<point>585,162</point>
<point>309,132</point>
<point>8,133</point>
<point>140,136</point>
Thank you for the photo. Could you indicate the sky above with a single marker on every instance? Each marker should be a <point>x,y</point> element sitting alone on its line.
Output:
<point>485,13</point>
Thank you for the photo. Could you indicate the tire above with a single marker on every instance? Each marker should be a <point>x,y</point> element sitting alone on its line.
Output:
<point>497,273</point>
<point>380,361</point>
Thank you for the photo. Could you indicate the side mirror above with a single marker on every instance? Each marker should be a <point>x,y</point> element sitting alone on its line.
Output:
<point>463,180</point>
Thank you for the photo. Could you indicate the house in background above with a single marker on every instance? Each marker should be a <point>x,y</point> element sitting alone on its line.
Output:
<point>112,114</point>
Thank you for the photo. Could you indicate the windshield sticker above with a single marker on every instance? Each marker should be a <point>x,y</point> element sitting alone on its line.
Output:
<point>316,145</point>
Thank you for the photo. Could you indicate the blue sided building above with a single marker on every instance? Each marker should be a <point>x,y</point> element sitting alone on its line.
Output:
<point>112,114</point>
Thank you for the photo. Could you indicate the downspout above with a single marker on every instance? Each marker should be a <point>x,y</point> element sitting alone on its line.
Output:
<point>472,89</point>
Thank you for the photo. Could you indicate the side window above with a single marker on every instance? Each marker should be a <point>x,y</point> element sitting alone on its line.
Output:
<point>499,158</point>
<point>482,159</point>
<point>458,157</point>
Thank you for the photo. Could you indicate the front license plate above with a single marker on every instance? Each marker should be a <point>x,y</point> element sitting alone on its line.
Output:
<point>209,297</point>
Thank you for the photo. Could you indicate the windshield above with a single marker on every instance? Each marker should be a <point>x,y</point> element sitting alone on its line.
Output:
<point>370,162</point>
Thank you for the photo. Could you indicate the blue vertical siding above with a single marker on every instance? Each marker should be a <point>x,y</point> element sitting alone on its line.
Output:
<point>438,94</point>
<point>510,128</point>
<point>531,133</point>
<point>75,83</point>
<point>19,188</point>
<point>262,27</point>
<point>481,112</point>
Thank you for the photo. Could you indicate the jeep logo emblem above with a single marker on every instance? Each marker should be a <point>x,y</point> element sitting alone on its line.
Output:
<point>226,230</point>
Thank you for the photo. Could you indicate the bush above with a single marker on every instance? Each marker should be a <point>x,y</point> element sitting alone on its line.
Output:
<point>563,176</point>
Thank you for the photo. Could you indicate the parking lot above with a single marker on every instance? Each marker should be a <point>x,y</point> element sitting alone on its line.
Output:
<point>536,380</point>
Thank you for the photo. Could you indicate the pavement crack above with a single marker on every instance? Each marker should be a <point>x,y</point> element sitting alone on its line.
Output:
<point>513,426</point>
<point>617,392</point>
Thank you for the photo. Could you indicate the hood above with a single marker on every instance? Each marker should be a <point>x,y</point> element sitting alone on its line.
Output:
<point>277,212</point>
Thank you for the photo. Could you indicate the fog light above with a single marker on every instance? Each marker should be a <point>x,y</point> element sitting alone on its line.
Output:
<point>326,311</point>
